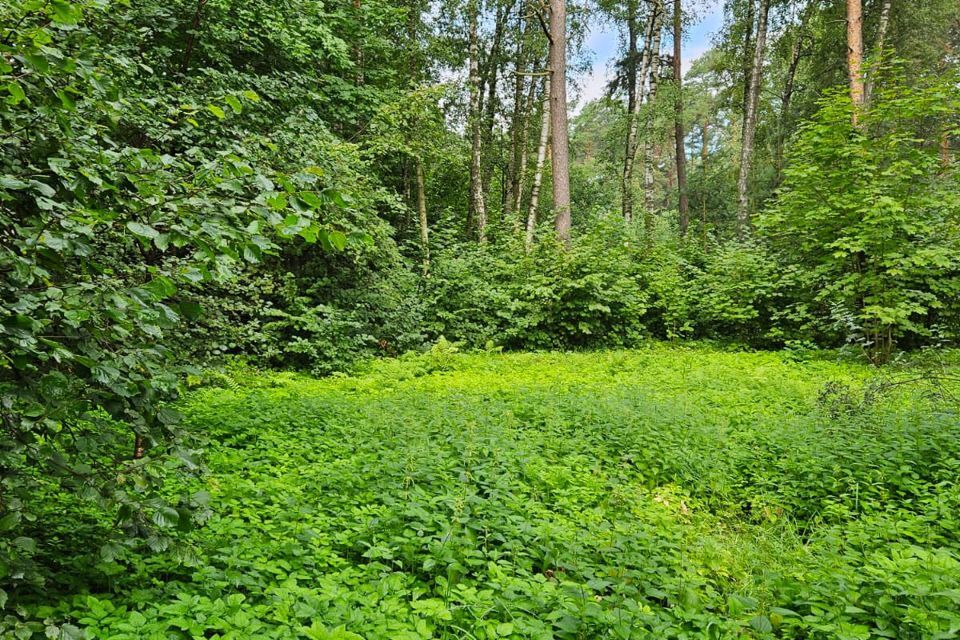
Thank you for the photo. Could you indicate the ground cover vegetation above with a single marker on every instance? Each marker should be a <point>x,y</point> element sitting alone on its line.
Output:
<point>669,492</point>
<point>304,186</point>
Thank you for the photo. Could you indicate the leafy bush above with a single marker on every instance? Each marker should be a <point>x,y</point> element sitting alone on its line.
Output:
<point>870,212</point>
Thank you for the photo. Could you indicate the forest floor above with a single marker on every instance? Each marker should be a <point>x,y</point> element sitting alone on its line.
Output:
<point>669,492</point>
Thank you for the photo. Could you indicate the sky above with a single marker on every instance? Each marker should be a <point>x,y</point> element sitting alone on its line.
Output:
<point>604,41</point>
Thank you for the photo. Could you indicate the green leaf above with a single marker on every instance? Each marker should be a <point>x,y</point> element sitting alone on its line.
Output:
<point>9,521</point>
<point>142,230</point>
<point>234,103</point>
<point>161,287</point>
<point>64,12</point>
<point>166,517</point>
<point>217,111</point>
<point>190,310</point>
<point>66,100</point>
<point>761,624</point>
<point>338,239</point>
<point>16,92</point>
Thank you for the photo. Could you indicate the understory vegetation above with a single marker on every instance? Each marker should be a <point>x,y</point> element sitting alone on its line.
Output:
<point>671,492</point>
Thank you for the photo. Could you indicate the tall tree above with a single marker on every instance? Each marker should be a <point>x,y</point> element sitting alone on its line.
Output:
<point>630,67</point>
<point>558,118</point>
<point>541,161</point>
<point>878,46</point>
<point>520,172</point>
<point>683,205</point>
<point>636,84</point>
<point>855,55</point>
<point>518,131</point>
<point>649,149</point>
<point>478,210</point>
<point>750,123</point>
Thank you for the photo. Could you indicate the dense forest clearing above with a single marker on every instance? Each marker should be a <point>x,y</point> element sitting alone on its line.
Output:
<point>669,492</point>
<point>386,319</point>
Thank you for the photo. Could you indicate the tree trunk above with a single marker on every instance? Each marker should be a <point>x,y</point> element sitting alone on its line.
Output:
<point>878,48</point>
<point>946,155</point>
<point>704,157</point>
<point>517,133</point>
<point>855,56</point>
<point>422,211</point>
<point>558,119</point>
<point>747,57</point>
<point>521,170</point>
<point>541,161</point>
<point>750,124</point>
<point>650,157</point>
<point>649,151</point>
<point>630,161</point>
<point>192,38</point>
<point>683,203</point>
<point>492,75</point>
<point>787,96</point>
<point>477,205</point>
<point>358,49</point>
<point>626,185</point>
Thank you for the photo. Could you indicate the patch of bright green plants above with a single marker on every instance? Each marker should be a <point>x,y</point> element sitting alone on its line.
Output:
<point>661,493</point>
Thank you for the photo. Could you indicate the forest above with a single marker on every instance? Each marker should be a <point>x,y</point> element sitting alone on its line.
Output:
<point>428,319</point>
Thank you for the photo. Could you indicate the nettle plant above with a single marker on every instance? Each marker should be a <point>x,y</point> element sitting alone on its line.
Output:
<point>872,210</point>
<point>98,231</point>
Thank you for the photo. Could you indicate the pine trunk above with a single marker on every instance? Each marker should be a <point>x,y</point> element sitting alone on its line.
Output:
<point>855,56</point>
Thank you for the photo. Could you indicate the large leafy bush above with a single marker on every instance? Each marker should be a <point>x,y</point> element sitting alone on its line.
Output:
<point>871,212</point>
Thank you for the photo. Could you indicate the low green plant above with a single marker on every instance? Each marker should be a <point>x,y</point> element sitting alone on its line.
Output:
<point>668,492</point>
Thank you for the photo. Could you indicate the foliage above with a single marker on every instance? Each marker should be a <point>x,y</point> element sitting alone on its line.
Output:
<point>870,213</point>
<point>669,492</point>
<point>103,234</point>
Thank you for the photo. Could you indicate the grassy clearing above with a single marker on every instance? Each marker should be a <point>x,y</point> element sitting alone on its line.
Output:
<point>661,493</point>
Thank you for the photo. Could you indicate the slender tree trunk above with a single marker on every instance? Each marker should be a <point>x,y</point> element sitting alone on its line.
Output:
<point>683,202</point>
<point>649,150</point>
<point>878,48</point>
<point>750,124</point>
<point>192,38</point>
<point>492,76</point>
<point>422,211</point>
<point>650,158</point>
<point>704,158</point>
<point>855,55</point>
<point>358,49</point>
<point>517,133</point>
<point>558,119</point>
<point>477,204</point>
<point>626,185</point>
<point>786,97</point>
<point>747,57</point>
<point>521,172</point>
<point>630,162</point>
<point>541,161</point>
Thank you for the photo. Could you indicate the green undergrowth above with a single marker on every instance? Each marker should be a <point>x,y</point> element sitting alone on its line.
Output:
<point>661,493</point>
